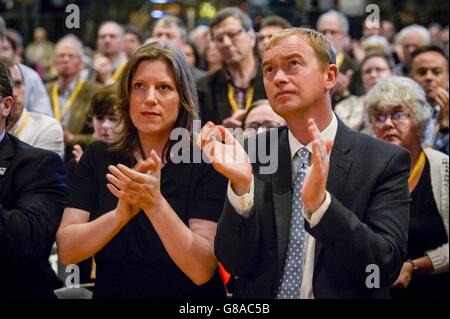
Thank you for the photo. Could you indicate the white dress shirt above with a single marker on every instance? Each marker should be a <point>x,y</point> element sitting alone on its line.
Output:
<point>243,204</point>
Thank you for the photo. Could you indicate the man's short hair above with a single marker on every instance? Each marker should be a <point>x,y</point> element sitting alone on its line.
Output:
<point>6,83</point>
<point>414,29</point>
<point>168,21</point>
<point>275,21</point>
<point>131,29</point>
<point>339,15</point>
<point>232,12</point>
<point>322,47</point>
<point>425,49</point>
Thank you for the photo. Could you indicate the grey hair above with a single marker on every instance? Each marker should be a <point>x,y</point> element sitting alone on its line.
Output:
<point>170,20</point>
<point>74,40</point>
<point>333,13</point>
<point>414,28</point>
<point>231,12</point>
<point>398,90</point>
<point>114,23</point>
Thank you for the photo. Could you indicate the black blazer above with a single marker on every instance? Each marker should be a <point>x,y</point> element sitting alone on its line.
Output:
<point>366,222</point>
<point>212,95</point>
<point>32,199</point>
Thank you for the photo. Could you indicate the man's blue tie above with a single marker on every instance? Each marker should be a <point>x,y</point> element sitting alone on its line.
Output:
<point>293,268</point>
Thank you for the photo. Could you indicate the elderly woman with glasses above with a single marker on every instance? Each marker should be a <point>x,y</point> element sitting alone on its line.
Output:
<point>399,114</point>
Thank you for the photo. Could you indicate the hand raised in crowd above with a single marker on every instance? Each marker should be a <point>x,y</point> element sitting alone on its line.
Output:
<point>77,152</point>
<point>314,185</point>
<point>227,156</point>
<point>442,100</point>
<point>235,120</point>
<point>138,187</point>
<point>104,69</point>
<point>68,136</point>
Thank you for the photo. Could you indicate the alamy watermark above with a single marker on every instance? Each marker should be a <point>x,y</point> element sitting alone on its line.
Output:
<point>263,151</point>
<point>73,19</point>
<point>373,19</point>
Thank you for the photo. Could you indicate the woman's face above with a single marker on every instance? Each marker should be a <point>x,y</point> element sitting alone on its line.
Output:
<point>396,125</point>
<point>154,99</point>
<point>374,69</point>
<point>189,54</point>
<point>105,127</point>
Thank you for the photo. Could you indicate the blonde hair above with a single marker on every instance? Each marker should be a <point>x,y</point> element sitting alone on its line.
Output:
<point>322,47</point>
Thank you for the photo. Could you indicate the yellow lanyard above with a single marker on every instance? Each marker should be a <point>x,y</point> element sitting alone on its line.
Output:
<point>233,102</point>
<point>340,60</point>
<point>118,71</point>
<point>416,172</point>
<point>22,124</point>
<point>55,101</point>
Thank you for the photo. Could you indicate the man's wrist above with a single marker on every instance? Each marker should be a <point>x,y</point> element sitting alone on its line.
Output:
<point>413,264</point>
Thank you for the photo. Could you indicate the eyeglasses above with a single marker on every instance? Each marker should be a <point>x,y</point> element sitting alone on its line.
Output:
<point>396,117</point>
<point>256,125</point>
<point>231,35</point>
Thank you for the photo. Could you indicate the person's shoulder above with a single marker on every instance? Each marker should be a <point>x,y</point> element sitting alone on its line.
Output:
<point>27,152</point>
<point>367,144</point>
<point>206,81</point>
<point>91,85</point>
<point>435,154</point>
<point>29,73</point>
<point>44,120</point>
<point>98,147</point>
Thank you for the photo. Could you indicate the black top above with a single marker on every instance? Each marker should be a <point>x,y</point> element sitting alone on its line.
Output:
<point>135,264</point>
<point>426,232</point>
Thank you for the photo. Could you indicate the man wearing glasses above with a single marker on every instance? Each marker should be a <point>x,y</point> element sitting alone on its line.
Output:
<point>226,94</point>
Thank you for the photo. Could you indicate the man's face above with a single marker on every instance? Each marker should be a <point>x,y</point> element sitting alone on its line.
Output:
<point>430,70</point>
<point>233,41</point>
<point>67,59</point>
<point>18,94</point>
<point>410,43</point>
<point>293,79</point>
<point>109,40</point>
<point>131,43</point>
<point>264,36</point>
<point>6,49</point>
<point>331,27</point>
<point>170,34</point>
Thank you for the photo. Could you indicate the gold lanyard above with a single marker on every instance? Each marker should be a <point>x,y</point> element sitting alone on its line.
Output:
<point>55,101</point>
<point>118,71</point>
<point>233,102</point>
<point>340,60</point>
<point>416,172</point>
<point>22,124</point>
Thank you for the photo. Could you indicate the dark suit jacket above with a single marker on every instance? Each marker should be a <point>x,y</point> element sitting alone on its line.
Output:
<point>32,199</point>
<point>212,94</point>
<point>366,222</point>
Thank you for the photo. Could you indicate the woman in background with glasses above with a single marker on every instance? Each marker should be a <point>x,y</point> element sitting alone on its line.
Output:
<point>399,114</point>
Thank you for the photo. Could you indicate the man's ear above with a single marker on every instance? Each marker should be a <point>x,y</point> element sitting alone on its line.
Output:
<point>7,105</point>
<point>331,74</point>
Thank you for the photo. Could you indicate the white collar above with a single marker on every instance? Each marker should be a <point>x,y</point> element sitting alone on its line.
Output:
<point>329,133</point>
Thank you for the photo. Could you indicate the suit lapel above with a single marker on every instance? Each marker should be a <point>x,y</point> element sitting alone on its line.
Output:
<point>340,164</point>
<point>282,196</point>
<point>6,154</point>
